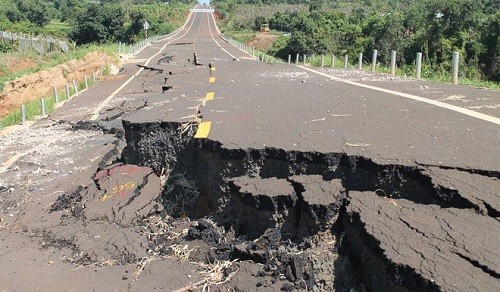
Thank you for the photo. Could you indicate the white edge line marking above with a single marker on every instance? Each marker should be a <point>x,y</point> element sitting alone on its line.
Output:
<point>218,32</point>
<point>10,161</point>
<point>454,108</point>
<point>5,165</point>
<point>95,115</point>
<point>252,57</point>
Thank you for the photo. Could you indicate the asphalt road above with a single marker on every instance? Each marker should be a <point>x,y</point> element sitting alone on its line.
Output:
<point>451,133</point>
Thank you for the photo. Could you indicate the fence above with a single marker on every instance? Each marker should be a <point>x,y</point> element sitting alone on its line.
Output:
<point>137,47</point>
<point>42,45</point>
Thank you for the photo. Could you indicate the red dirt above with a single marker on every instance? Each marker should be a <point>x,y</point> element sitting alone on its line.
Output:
<point>262,41</point>
<point>36,85</point>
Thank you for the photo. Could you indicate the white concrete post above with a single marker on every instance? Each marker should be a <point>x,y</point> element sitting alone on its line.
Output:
<point>289,58</point>
<point>346,59</point>
<point>23,114</point>
<point>56,95</point>
<point>333,61</point>
<point>75,86</point>
<point>322,60</point>
<point>297,59</point>
<point>42,101</point>
<point>419,65</point>
<point>360,61</point>
<point>454,68</point>
<point>374,60</point>
<point>305,59</point>
<point>86,82</point>
<point>393,62</point>
<point>68,94</point>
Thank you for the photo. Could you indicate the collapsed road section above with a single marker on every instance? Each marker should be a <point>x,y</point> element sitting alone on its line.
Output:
<point>327,220</point>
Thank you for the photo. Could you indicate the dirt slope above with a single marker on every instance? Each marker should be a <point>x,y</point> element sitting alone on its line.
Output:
<point>36,85</point>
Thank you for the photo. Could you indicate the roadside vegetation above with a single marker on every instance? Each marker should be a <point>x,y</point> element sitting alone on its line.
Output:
<point>436,28</point>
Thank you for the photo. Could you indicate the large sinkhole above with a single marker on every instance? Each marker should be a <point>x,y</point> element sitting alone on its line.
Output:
<point>297,213</point>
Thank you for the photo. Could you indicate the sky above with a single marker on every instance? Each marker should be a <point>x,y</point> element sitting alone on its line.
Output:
<point>204,1</point>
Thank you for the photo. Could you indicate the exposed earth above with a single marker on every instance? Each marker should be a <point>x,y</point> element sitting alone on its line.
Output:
<point>262,41</point>
<point>42,83</point>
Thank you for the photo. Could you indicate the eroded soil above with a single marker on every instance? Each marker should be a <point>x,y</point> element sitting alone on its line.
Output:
<point>36,85</point>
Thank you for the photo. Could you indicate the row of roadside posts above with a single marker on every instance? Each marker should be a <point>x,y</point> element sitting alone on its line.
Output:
<point>134,48</point>
<point>418,68</point>
<point>69,88</point>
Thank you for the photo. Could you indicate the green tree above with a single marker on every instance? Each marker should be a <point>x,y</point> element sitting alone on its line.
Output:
<point>137,20</point>
<point>36,11</point>
<point>98,24</point>
<point>490,58</point>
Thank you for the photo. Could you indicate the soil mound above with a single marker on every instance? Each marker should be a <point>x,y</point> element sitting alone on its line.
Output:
<point>36,85</point>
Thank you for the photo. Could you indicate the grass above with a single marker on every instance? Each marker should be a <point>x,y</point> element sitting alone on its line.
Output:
<point>242,36</point>
<point>57,29</point>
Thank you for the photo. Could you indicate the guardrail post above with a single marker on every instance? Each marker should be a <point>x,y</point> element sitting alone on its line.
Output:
<point>305,59</point>
<point>68,94</point>
<point>56,95</point>
<point>346,59</point>
<point>289,58</point>
<point>454,68</point>
<point>322,60</point>
<point>86,82</point>
<point>419,65</point>
<point>23,114</point>
<point>360,61</point>
<point>75,86</point>
<point>42,101</point>
<point>333,61</point>
<point>94,78</point>
<point>297,59</point>
<point>374,60</point>
<point>393,62</point>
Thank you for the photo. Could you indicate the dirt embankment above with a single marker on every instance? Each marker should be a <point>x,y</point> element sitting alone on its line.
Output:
<point>262,41</point>
<point>36,85</point>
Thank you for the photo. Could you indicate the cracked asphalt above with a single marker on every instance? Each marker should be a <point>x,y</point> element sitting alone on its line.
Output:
<point>73,217</point>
